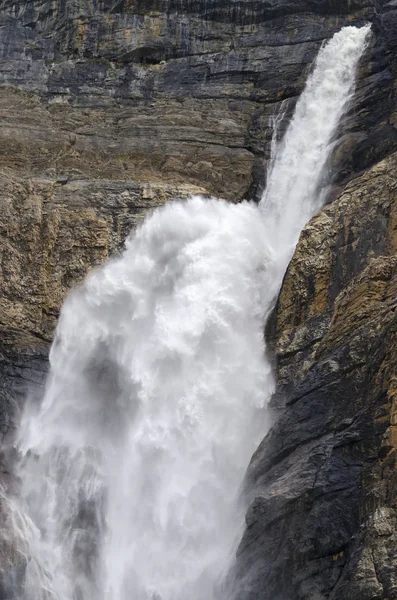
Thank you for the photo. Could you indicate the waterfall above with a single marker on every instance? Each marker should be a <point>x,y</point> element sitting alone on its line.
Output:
<point>131,464</point>
<point>293,191</point>
<point>297,164</point>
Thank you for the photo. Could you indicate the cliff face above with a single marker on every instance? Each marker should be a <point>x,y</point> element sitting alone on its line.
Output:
<point>109,108</point>
<point>322,521</point>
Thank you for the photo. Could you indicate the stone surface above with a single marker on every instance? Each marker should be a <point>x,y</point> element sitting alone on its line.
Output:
<point>323,483</point>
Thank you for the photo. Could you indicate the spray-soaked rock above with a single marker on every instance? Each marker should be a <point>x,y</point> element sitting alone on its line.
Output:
<point>322,520</point>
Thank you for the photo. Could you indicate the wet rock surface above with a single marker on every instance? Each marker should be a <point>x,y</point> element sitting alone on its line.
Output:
<point>321,522</point>
<point>111,108</point>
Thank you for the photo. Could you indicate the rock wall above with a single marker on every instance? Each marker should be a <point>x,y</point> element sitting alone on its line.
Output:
<point>109,108</point>
<point>323,483</point>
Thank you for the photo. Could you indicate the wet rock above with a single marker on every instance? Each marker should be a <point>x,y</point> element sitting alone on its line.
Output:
<point>322,485</point>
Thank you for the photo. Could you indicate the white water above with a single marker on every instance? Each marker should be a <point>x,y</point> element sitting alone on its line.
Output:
<point>298,163</point>
<point>155,399</point>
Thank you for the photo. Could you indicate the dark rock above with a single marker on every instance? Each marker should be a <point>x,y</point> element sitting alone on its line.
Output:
<point>322,485</point>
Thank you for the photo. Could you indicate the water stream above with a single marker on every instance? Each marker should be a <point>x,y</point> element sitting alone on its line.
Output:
<point>155,401</point>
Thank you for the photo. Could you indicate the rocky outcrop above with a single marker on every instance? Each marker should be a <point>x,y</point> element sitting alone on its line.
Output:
<point>110,108</point>
<point>323,484</point>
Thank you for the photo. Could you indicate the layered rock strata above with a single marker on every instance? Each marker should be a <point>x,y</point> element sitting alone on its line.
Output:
<point>109,97</point>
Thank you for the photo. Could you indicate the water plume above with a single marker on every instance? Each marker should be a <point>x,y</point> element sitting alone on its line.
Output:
<point>131,465</point>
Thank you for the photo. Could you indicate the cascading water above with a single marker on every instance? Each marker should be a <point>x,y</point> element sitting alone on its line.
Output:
<point>293,195</point>
<point>131,464</point>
